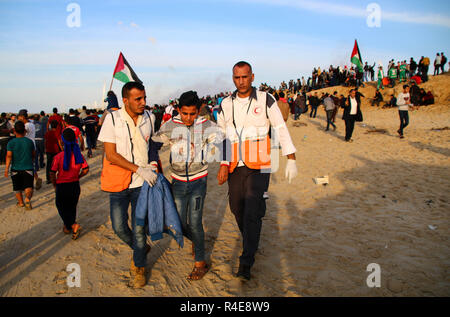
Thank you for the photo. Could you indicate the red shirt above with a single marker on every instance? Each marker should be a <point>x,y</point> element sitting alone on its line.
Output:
<point>72,174</point>
<point>59,119</point>
<point>51,141</point>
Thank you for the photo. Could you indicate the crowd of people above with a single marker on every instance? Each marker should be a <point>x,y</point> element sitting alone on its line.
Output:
<point>133,134</point>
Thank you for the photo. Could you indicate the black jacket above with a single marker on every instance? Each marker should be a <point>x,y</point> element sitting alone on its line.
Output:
<point>358,115</point>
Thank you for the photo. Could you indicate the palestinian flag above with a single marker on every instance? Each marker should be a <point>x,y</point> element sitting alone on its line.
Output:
<point>124,72</point>
<point>356,57</point>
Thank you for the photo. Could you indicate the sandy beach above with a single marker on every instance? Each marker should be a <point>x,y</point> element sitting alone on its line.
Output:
<point>387,202</point>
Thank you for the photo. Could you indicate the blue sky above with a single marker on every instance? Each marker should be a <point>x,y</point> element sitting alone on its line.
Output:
<point>178,45</point>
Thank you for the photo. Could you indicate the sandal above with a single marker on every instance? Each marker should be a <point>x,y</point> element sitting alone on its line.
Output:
<point>28,205</point>
<point>65,230</point>
<point>198,272</point>
<point>19,205</point>
<point>76,228</point>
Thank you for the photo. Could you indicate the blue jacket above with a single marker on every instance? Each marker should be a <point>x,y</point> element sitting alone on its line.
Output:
<point>156,205</point>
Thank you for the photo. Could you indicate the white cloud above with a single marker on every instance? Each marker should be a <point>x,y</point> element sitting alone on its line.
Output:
<point>134,25</point>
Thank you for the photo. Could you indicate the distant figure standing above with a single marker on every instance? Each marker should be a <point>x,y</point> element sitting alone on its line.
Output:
<point>380,78</point>
<point>443,62</point>
<point>437,64</point>
<point>403,102</point>
<point>352,113</point>
<point>284,106</point>
<point>329,108</point>
<point>314,103</point>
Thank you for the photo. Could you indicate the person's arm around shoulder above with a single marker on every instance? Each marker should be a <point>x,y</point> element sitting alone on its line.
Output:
<point>222,175</point>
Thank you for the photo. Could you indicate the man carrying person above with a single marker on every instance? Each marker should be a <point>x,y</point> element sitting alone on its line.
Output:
<point>245,118</point>
<point>125,134</point>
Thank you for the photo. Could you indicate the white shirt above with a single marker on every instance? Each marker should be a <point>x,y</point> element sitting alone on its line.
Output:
<point>30,130</point>
<point>353,105</point>
<point>240,108</point>
<point>132,145</point>
<point>169,109</point>
<point>255,122</point>
<point>403,104</point>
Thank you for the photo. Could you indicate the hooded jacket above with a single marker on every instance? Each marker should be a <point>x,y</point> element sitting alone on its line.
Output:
<point>192,147</point>
<point>155,206</point>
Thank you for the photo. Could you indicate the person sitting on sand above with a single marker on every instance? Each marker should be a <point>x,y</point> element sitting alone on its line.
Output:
<point>392,102</point>
<point>377,98</point>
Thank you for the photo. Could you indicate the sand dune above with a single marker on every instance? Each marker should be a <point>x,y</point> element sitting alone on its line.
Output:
<point>384,197</point>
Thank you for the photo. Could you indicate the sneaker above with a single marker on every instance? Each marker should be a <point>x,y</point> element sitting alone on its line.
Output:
<point>76,228</point>
<point>244,272</point>
<point>265,195</point>
<point>139,280</point>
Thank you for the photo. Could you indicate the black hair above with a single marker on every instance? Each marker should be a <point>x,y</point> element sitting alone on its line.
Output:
<point>55,110</point>
<point>281,94</point>
<point>54,124</point>
<point>19,127</point>
<point>69,135</point>
<point>404,86</point>
<point>189,98</point>
<point>42,113</point>
<point>130,85</point>
<point>242,64</point>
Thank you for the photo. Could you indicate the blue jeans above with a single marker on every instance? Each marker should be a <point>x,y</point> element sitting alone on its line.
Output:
<point>136,237</point>
<point>189,198</point>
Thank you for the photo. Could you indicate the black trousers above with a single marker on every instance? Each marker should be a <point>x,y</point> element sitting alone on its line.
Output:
<point>67,195</point>
<point>404,120</point>
<point>349,126</point>
<point>246,188</point>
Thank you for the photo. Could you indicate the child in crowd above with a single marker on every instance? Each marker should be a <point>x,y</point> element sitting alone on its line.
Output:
<point>67,168</point>
<point>20,157</point>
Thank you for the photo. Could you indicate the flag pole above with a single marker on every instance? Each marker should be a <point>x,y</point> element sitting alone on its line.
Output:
<point>110,86</point>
